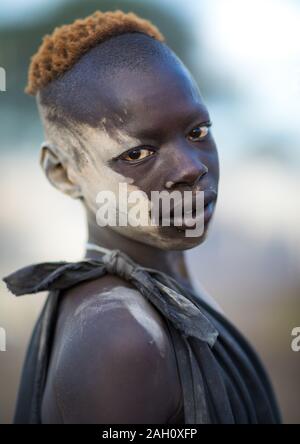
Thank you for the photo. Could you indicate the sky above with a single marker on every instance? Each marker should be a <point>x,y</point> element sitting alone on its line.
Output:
<point>21,10</point>
<point>255,43</point>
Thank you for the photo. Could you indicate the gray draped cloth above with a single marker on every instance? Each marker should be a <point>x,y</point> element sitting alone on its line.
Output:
<point>222,378</point>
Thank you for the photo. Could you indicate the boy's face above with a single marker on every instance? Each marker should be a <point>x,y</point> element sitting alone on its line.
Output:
<point>147,128</point>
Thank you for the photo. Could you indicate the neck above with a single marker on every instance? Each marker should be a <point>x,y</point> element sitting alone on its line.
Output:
<point>170,262</point>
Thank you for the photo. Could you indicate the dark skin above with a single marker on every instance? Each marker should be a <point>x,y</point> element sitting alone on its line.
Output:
<point>106,365</point>
<point>165,122</point>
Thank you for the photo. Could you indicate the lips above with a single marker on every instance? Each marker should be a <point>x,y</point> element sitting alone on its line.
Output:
<point>194,213</point>
<point>190,203</point>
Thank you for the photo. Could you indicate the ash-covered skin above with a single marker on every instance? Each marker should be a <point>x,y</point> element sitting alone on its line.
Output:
<point>128,300</point>
<point>100,113</point>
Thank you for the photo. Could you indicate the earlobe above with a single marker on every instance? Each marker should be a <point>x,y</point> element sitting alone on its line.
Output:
<point>56,171</point>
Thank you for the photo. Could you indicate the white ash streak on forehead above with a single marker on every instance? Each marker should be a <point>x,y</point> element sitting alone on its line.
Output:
<point>78,135</point>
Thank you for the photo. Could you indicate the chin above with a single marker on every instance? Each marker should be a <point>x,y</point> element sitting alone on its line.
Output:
<point>165,238</point>
<point>177,239</point>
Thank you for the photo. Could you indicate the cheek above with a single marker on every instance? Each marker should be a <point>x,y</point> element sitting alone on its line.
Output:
<point>215,167</point>
<point>105,179</point>
<point>213,159</point>
<point>101,178</point>
<point>148,176</point>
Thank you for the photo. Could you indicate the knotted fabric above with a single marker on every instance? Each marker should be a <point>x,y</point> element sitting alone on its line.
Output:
<point>221,377</point>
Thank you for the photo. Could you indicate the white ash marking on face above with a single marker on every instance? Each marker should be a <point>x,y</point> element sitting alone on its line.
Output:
<point>96,175</point>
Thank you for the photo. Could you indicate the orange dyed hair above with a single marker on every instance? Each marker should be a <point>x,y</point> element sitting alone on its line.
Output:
<point>60,50</point>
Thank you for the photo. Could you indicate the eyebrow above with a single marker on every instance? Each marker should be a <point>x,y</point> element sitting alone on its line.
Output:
<point>197,116</point>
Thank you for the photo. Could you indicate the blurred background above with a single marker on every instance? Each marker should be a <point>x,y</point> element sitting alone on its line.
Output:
<point>246,59</point>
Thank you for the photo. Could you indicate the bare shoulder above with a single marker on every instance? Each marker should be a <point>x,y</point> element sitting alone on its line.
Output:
<point>113,360</point>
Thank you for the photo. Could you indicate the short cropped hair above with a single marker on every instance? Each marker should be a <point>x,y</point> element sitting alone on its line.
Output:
<point>60,50</point>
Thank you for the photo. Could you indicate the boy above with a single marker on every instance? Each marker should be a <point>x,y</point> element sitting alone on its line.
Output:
<point>123,338</point>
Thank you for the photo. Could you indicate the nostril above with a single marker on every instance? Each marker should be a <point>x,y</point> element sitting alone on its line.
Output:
<point>187,176</point>
<point>204,171</point>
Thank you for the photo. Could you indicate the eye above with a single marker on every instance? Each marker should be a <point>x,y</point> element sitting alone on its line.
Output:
<point>137,154</point>
<point>199,132</point>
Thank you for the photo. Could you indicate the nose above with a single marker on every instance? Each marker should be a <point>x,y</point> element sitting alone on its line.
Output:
<point>187,169</point>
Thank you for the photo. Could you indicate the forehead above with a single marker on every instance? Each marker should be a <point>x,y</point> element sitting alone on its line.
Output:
<point>139,100</point>
<point>161,98</point>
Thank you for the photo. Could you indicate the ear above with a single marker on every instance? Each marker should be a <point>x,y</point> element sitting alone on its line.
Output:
<point>56,171</point>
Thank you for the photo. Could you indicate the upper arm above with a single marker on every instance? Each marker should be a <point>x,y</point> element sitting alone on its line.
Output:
<point>115,365</point>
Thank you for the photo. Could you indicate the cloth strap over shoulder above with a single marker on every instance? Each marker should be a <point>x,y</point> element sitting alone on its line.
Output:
<point>222,379</point>
<point>184,319</point>
<point>182,312</point>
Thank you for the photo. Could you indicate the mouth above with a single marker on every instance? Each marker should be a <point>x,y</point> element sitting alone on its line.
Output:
<point>194,210</point>
<point>190,222</point>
